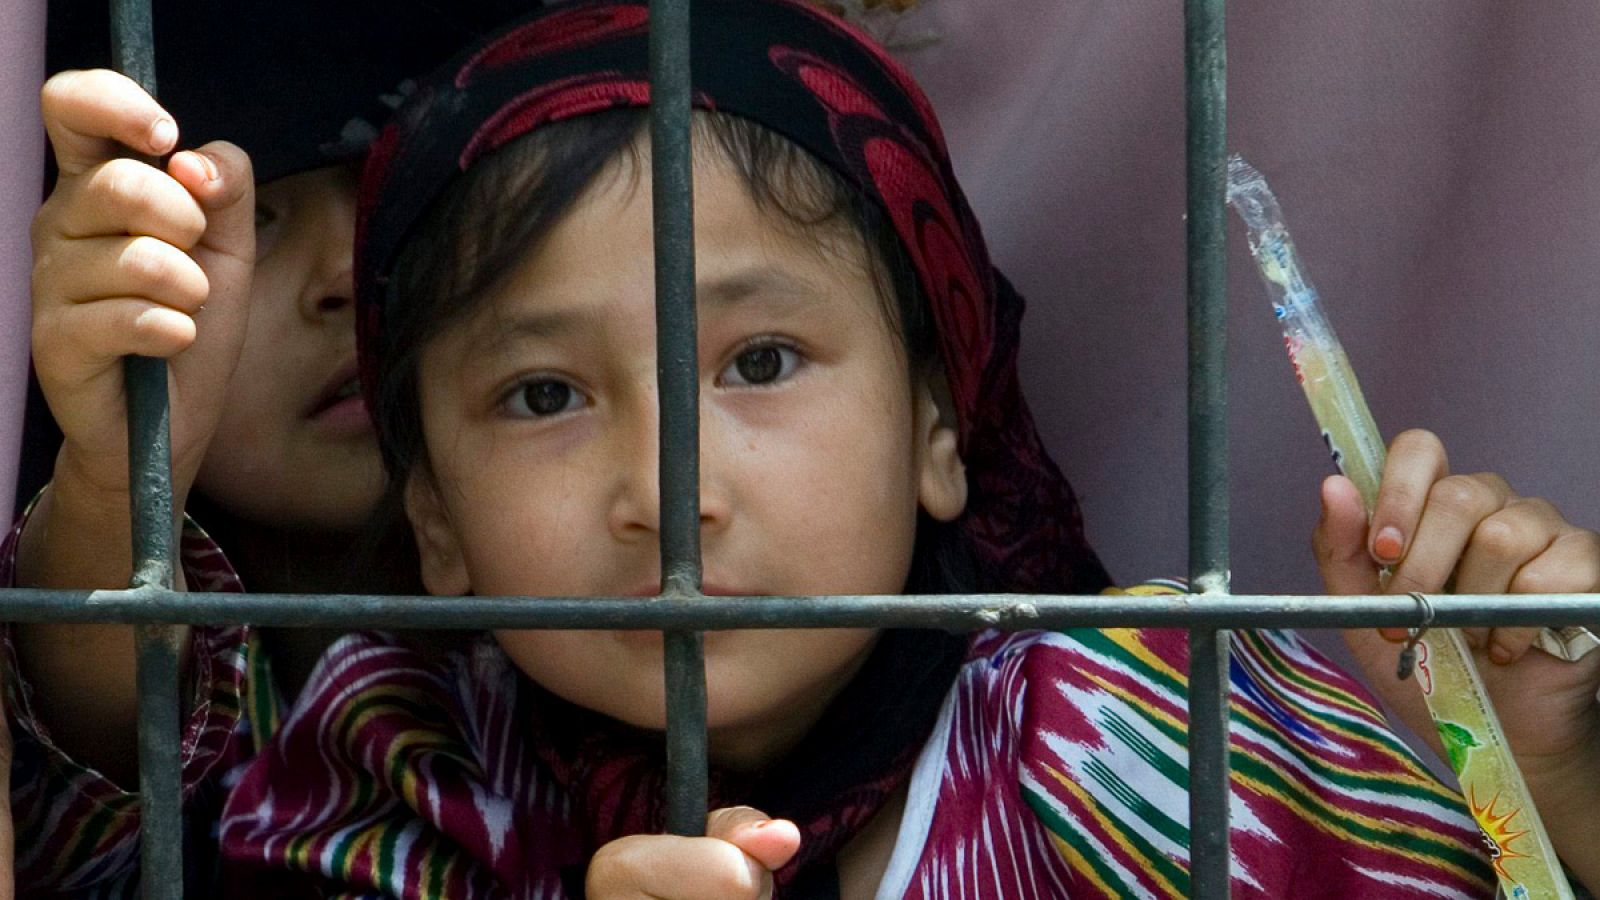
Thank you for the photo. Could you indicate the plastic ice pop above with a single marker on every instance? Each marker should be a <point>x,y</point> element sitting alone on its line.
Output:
<point>1513,835</point>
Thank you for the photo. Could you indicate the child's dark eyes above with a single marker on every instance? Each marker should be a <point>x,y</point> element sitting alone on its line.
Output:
<point>267,221</point>
<point>761,364</point>
<point>542,398</point>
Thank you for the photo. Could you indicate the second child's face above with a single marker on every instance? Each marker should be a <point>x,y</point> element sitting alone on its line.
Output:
<point>540,419</point>
<point>295,447</point>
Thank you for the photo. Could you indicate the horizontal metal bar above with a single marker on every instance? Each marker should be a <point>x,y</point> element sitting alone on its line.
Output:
<point>950,612</point>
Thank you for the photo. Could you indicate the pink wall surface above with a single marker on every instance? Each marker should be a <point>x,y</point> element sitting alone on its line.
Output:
<point>1439,166</point>
<point>22,148</point>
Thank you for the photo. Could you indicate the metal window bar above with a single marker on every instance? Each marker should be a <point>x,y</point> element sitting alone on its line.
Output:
<point>681,611</point>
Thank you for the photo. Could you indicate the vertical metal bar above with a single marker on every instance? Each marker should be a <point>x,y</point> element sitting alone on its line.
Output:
<point>1205,71</point>
<point>677,371</point>
<point>150,490</point>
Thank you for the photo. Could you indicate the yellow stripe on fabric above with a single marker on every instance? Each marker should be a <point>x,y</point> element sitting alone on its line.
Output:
<point>1326,826</point>
<point>1412,776</point>
<point>1267,654</point>
<point>1079,863</point>
<point>1129,640</point>
<point>1118,832</point>
<point>1362,777</point>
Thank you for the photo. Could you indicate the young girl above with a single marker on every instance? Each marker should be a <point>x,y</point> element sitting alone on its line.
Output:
<point>862,432</point>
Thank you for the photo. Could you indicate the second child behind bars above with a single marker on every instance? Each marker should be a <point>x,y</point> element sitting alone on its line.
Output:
<point>862,432</point>
<point>268,426</point>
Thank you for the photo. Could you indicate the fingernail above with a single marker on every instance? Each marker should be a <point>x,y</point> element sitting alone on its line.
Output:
<point>1389,544</point>
<point>1500,655</point>
<point>761,824</point>
<point>163,134</point>
<point>211,167</point>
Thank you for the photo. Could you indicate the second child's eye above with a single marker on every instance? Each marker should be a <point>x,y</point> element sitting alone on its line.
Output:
<point>761,364</point>
<point>543,398</point>
<point>267,227</point>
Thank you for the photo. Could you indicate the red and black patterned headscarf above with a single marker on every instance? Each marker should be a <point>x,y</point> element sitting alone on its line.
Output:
<point>340,759</point>
<point>818,82</point>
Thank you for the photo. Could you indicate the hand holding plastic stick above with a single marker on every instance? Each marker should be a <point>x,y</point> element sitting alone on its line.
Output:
<point>1475,743</point>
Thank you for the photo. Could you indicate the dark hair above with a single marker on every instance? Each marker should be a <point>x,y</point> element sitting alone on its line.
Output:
<point>487,221</point>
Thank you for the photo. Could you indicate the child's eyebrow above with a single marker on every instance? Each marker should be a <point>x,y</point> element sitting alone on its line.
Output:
<point>500,332</point>
<point>766,285</point>
<point>771,288</point>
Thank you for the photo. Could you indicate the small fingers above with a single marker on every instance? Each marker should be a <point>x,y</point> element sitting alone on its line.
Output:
<point>87,270</point>
<point>1455,506</point>
<point>90,115</point>
<point>1339,541</point>
<point>1505,541</point>
<point>772,842</point>
<point>1416,460</point>
<point>1569,564</point>
<point>1507,645</point>
<point>106,330</point>
<point>665,867</point>
<point>222,180</point>
<point>123,196</point>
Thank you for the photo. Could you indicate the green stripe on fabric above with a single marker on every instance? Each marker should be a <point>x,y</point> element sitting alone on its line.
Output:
<point>1138,805</point>
<point>1426,790</point>
<point>1058,825</point>
<point>1268,655</point>
<point>88,837</point>
<point>386,849</point>
<point>1099,643</point>
<point>438,866</point>
<point>1393,839</point>
<point>1268,773</point>
<point>1174,770</point>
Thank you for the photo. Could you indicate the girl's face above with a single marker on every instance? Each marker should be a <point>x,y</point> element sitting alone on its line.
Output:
<point>540,420</point>
<point>295,447</point>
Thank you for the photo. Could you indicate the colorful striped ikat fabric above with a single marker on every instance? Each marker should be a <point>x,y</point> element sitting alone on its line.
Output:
<point>1326,800</point>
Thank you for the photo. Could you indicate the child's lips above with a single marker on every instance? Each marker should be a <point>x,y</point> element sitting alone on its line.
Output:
<point>341,406</point>
<point>345,416</point>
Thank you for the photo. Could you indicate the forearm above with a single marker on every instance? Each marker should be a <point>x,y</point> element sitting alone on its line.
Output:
<point>78,537</point>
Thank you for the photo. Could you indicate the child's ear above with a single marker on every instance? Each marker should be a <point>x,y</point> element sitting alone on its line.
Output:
<point>942,476</point>
<point>444,571</point>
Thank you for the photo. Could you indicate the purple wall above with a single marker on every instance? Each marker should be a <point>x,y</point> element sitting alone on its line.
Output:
<point>22,148</point>
<point>1437,164</point>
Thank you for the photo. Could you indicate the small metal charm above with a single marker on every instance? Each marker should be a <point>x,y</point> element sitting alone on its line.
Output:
<point>1408,653</point>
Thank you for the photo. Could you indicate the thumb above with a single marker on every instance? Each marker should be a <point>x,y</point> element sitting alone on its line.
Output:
<point>771,842</point>
<point>1340,540</point>
<point>222,181</point>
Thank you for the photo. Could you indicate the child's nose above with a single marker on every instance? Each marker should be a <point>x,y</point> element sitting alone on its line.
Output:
<point>329,288</point>
<point>635,512</point>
